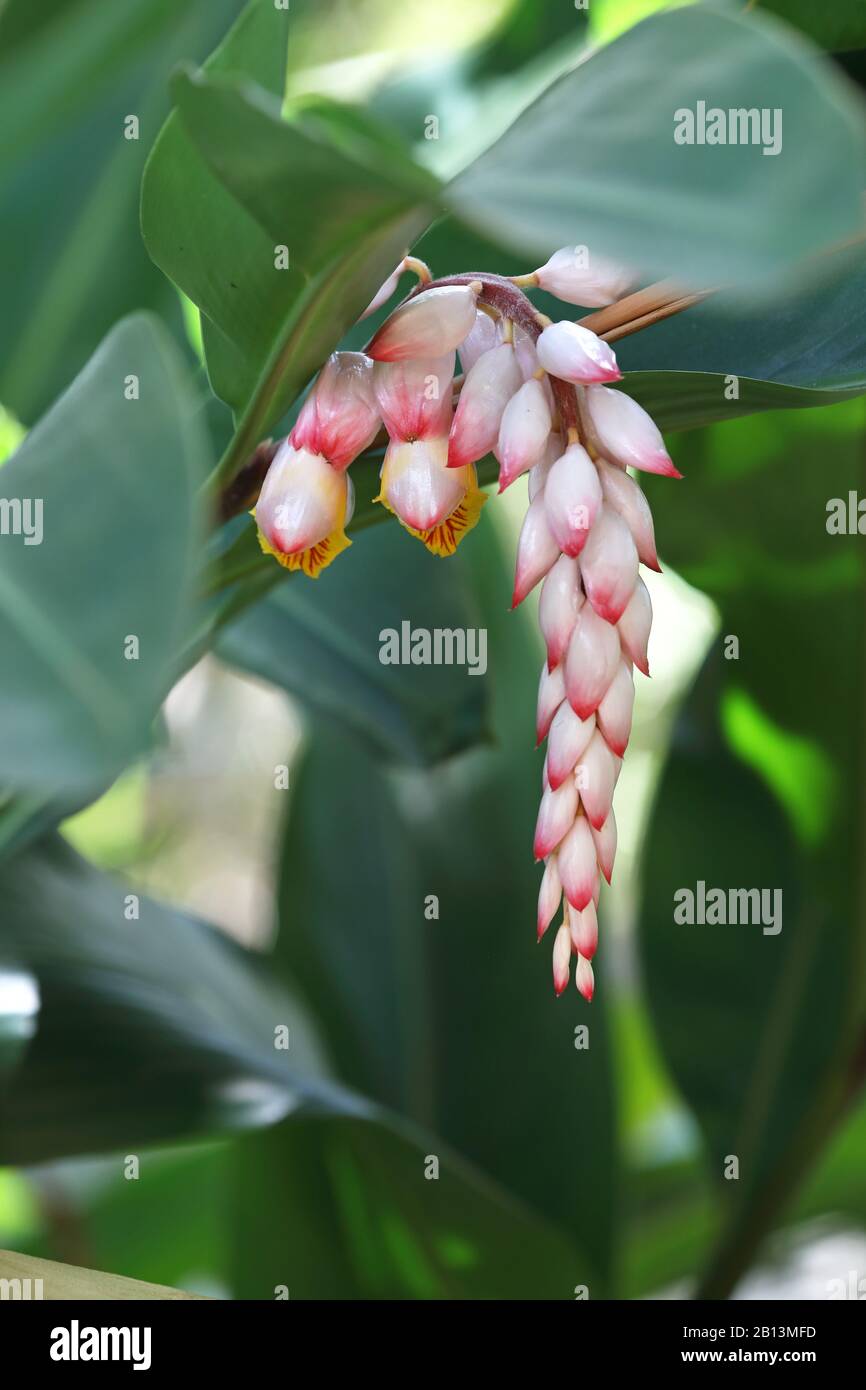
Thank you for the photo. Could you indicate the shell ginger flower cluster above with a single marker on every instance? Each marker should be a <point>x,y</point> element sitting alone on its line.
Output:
<point>539,397</point>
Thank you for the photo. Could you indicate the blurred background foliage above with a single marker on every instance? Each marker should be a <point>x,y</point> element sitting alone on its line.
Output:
<point>413,1040</point>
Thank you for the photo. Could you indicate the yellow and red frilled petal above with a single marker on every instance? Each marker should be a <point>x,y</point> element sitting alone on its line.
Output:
<point>437,504</point>
<point>302,510</point>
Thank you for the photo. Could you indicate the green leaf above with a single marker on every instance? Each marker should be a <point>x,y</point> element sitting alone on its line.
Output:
<point>683,400</point>
<point>363,202</point>
<point>148,1029</point>
<point>809,351</point>
<point>116,479</point>
<point>203,238</point>
<point>763,790</point>
<point>838,27</point>
<point>340,1209</point>
<point>413,1009</point>
<point>67,86</point>
<point>594,159</point>
<point>314,326</point>
<point>322,642</point>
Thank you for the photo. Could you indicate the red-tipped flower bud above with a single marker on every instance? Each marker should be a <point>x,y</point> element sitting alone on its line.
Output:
<point>428,325</point>
<point>575,354</point>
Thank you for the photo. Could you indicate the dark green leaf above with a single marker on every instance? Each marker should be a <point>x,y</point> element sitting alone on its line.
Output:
<point>339,1209</point>
<point>808,351</point>
<point>764,790</point>
<point>72,260</point>
<point>117,481</point>
<point>838,26</point>
<point>682,400</point>
<point>204,239</point>
<point>148,1029</point>
<point>322,642</point>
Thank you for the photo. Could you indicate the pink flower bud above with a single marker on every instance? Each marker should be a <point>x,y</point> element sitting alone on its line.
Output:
<point>595,776</point>
<point>625,496</point>
<point>592,661</point>
<point>539,471</point>
<point>578,870</point>
<point>384,291</point>
<point>558,607</point>
<point>428,325</point>
<point>415,397</point>
<point>605,850</point>
<point>482,336</point>
<point>549,896</point>
<point>575,354</point>
<point>634,627</point>
<point>555,815</point>
<point>417,485</point>
<point>568,740</point>
<point>339,418</point>
<point>583,978</point>
<point>303,500</point>
<point>576,277</point>
<point>523,432</point>
<point>615,711</point>
<point>537,551</point>
<point>524,351</point>
<point>583,928</point>
<point>609,565</point>
<point>561,959</point>
<point>572,498</point>
<point>624,432</point>
<point>551,693</point>
<point>488,388</point>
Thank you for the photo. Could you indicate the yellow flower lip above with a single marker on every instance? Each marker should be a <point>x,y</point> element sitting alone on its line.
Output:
<point>302,511</point>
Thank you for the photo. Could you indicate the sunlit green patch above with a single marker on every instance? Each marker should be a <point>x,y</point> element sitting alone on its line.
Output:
<point>19,1214</point>
<point>609,18</point>
<point>409,1257</point>
<point>11,434</point>
<point>456,1251</point>
<point>192,324</point>
<point>795,769</point>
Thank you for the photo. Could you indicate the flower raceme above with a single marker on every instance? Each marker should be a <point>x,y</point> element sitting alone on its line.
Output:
<point>538,396</point>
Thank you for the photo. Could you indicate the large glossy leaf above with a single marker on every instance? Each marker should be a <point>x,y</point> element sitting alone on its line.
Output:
<point>148,1029</point>
<point>451,1020</point>
<point>764,790</point>
<point>363,202</point>
<point>67,85</point>
<point>683,400</point>
<point>204,239</point>
<point>338,1209</point>
<point>322,642</point>
<point>594,158</point>
<point>721,359</point>
<point>811,339</point>
<point>116,479</point>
